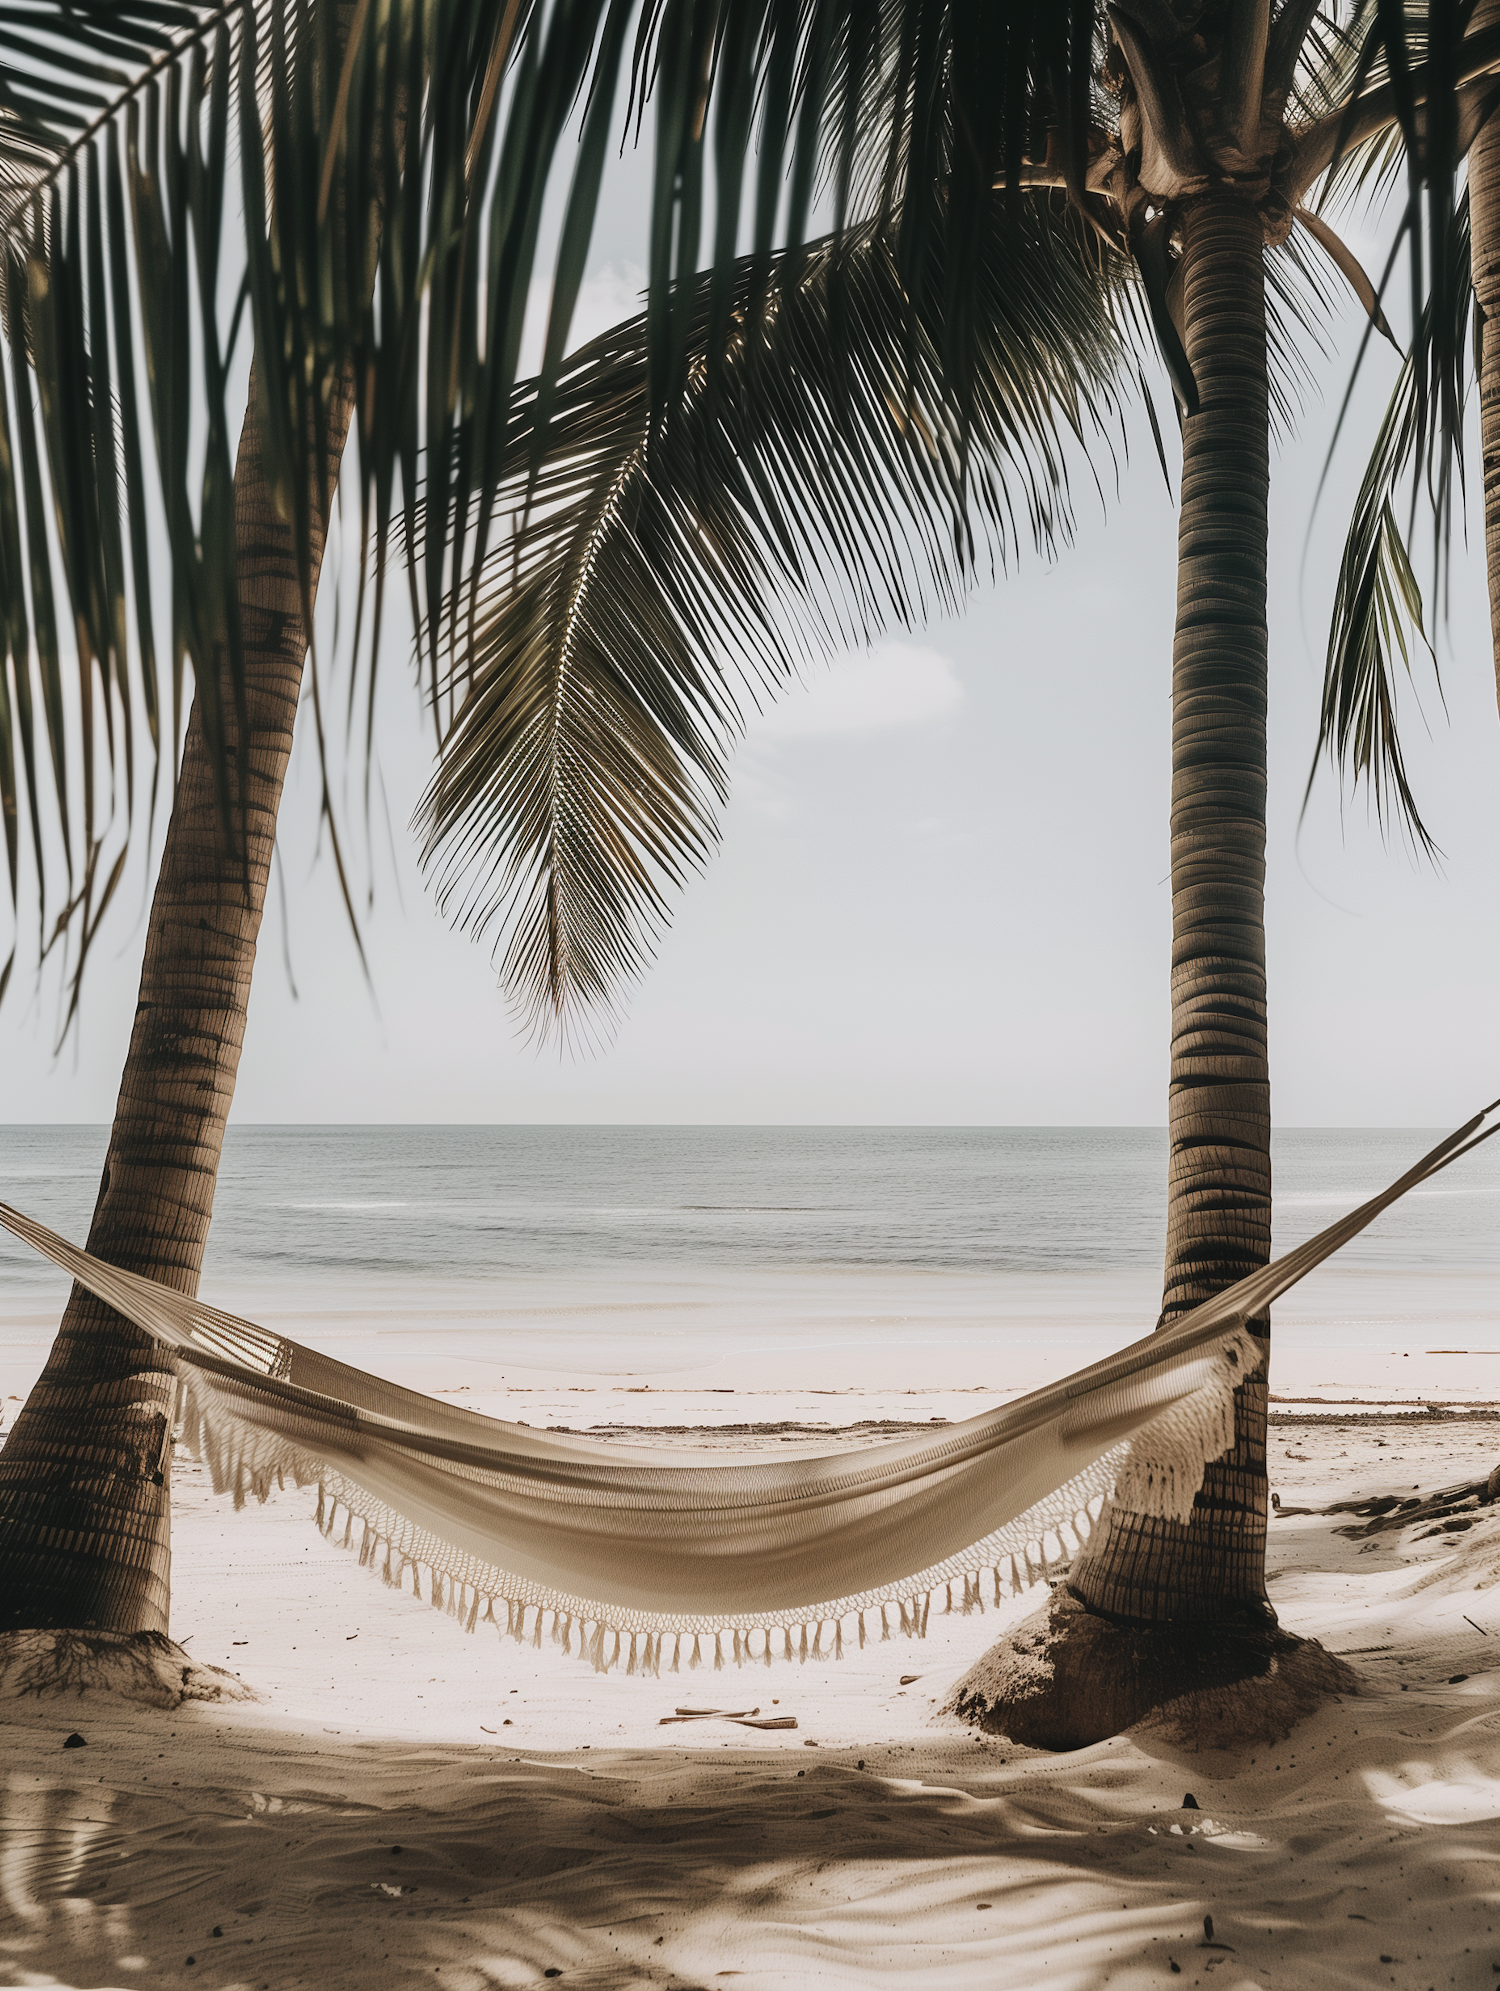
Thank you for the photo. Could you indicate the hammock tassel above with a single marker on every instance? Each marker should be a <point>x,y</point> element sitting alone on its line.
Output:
<point>1156,1472</point>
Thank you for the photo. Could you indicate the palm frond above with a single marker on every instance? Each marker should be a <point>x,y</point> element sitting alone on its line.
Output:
<point>75,505</point>
<point>1299,312</point>
<point>1378,612</point>
<point>1420,55</point>
<point>359,185</point>
<point>155,161</point>
<point>662,576</point>
<point>1377,616</point>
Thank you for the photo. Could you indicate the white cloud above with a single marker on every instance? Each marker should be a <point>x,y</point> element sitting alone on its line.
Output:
<point>893,684</point>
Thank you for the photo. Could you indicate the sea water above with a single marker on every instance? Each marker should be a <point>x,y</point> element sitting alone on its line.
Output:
<point>1000,1256</point>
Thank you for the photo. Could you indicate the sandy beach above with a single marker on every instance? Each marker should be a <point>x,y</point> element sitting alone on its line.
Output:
<point>693,825</point>
<point>550,1829</point>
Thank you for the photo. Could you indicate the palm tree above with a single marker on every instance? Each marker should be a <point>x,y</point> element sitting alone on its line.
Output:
<point>370,137</point>
<point>392,162</point>
<point>579,773</point>
<point>836,423</point>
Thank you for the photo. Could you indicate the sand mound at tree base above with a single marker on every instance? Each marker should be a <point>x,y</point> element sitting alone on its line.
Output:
<point>1065,1678</point>
<point>145,1667</point>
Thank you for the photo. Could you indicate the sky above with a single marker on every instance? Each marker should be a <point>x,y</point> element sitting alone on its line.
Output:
<point>942,892</point>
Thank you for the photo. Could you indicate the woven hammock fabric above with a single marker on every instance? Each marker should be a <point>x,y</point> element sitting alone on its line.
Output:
<point>651,1545</point>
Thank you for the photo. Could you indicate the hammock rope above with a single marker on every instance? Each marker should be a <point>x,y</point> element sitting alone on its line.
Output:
<point>641,1556</point>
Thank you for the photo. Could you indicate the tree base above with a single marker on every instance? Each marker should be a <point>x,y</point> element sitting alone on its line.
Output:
<point>1065,1678</point>
<point>144,1667</point>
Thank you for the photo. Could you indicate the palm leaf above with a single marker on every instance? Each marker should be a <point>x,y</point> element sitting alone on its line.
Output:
<point>379,169</point>
<point>1378,610</point>
<point>149,153</point>
<point>662,576</point>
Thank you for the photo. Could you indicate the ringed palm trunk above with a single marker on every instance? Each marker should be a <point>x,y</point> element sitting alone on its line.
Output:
<point>1212,1568</point>
<point>85,1538</point>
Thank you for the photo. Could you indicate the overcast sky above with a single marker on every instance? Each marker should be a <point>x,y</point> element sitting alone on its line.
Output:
<point>942,893</point>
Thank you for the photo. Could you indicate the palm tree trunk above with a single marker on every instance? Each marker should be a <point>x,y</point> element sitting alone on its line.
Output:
<point>1212,1568</point>
<point>85,1538</point>
<point>1484,239</point>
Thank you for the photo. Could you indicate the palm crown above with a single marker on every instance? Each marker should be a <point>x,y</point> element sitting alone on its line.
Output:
<point>1002,186</point>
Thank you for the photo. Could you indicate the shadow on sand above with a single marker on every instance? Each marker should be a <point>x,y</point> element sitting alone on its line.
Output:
<point>205,1847</point>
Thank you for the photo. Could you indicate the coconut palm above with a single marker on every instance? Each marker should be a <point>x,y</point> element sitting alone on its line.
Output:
<point>377,169</point>
<point>342,187</point>
<point>392,164</point>
<point>837,432</point>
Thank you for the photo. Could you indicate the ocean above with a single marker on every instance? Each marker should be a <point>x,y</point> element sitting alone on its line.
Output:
<point>997,1254</point>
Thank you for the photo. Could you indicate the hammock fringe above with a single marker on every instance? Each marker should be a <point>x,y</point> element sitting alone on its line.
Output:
<point>472,1605</point>
<point>1156,1473</point>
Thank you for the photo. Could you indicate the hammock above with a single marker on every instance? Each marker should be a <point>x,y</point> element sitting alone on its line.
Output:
<point>632,1552</point>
